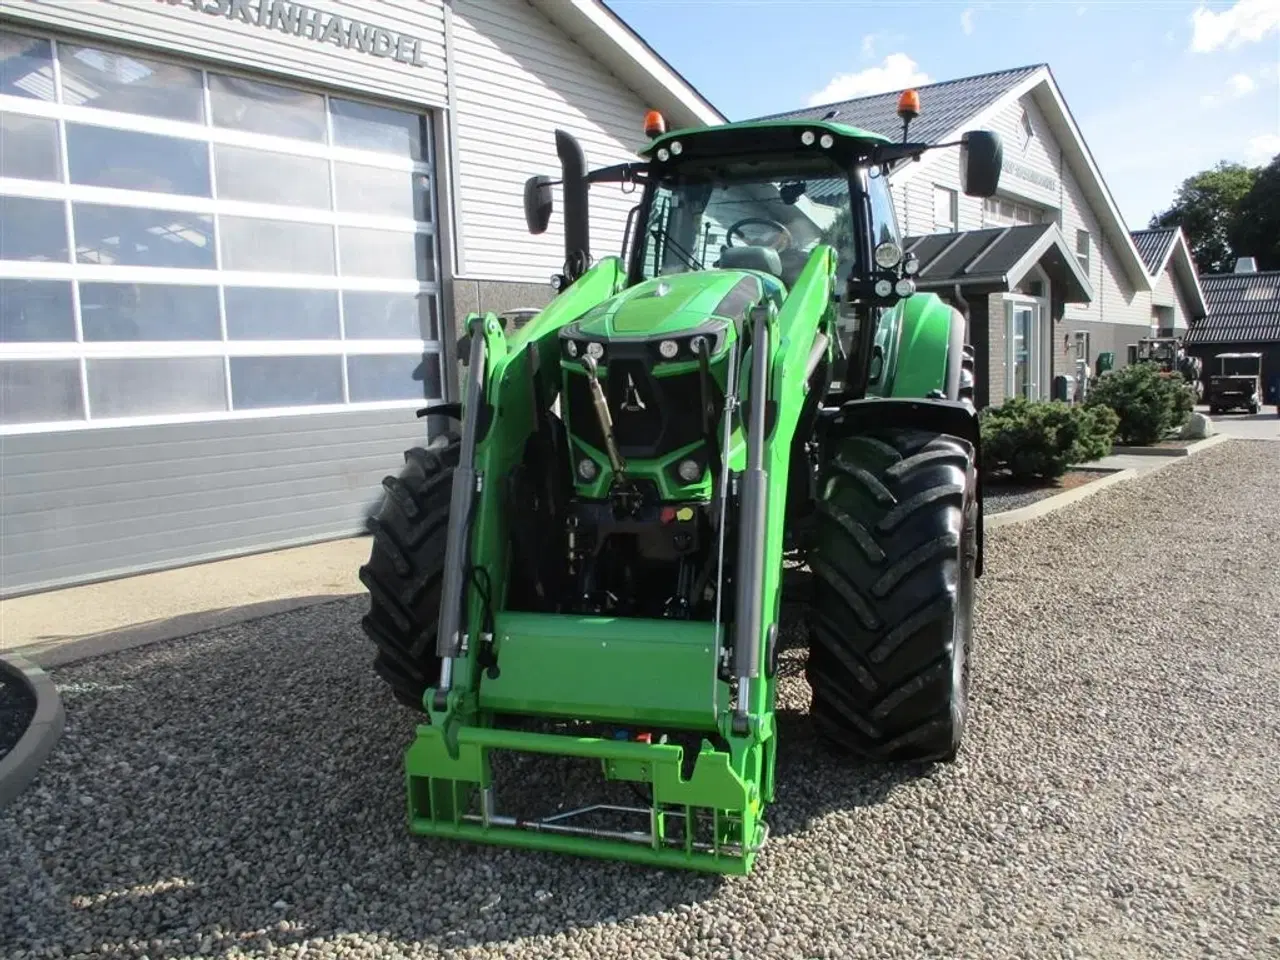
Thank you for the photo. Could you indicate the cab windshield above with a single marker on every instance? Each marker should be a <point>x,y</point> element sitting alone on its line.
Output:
<point>747,218</point>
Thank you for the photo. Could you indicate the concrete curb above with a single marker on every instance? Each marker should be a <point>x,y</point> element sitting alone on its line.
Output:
<point>1186,451</point>
<point>61,652</point>
<point>1049,504</point>
<point>1059,500</point>
<point>20,765</point>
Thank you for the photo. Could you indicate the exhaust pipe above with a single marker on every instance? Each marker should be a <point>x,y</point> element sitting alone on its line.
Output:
<point>577,233</point>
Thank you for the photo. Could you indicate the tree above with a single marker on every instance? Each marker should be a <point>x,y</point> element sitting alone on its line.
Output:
<point>1206,208</point>
<point>1257,227</point>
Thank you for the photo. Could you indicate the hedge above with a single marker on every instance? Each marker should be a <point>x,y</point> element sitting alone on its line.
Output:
<point>1148,402</point>
<point>1040,440</point>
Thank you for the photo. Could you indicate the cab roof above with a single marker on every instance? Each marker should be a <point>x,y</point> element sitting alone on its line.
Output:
<point>729,131</point>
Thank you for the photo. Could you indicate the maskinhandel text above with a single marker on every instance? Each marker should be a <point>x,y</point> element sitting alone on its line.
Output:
<point>302,21</point>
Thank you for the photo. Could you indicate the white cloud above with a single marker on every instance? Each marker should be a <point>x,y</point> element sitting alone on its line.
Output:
<point>1238,85</point>
<point>1241,84</point>
<point>897,72</point>
<point>966,22</point>
<point>1246,22</point>
<point>869,45</point>
<point>1260,149</point>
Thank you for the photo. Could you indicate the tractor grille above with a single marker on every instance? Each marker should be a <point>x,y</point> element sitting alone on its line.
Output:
<point>652,416</point>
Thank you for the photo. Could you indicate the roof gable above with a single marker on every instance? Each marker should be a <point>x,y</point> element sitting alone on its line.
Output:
<point>1244,308</point>
<point>996,259</point>
<point>1154,246</point>
<point>944,106</point>
<point>1165,247</point>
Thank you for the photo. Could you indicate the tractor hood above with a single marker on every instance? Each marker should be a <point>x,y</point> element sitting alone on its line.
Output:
<point>674,304</point>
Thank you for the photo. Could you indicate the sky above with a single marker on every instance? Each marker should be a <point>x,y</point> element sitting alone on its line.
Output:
<point>1160,89</point>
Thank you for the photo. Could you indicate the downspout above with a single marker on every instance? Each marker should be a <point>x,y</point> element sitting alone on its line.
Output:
<point>455,182</point>
<point>964,309</point>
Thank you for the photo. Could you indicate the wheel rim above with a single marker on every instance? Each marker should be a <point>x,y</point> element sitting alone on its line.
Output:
<point>962,635</point>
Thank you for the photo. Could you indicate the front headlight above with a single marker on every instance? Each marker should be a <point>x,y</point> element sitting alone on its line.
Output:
<point>888,255</point>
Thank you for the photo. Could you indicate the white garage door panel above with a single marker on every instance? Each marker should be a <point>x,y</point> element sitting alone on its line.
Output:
<point>219,306</point>
<point>80,527</point>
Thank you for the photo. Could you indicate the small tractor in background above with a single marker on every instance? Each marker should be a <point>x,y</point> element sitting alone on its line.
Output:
<point>590,563</point>
<point>1169,355</point>
<point>1237,383</point>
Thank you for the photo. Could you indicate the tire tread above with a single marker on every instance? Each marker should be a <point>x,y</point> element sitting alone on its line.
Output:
<point>887,586</point>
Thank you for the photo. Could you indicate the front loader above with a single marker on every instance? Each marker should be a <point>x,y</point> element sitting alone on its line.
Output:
<point>588,564</point>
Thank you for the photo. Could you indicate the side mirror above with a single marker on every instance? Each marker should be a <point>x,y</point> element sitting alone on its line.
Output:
<point>537,203</point>
<point>981,158</point>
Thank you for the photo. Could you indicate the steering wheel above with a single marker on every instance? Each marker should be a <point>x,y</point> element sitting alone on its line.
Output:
<point>781,241</point>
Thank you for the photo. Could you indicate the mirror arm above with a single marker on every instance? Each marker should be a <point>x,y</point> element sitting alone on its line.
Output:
<point>619,173</point>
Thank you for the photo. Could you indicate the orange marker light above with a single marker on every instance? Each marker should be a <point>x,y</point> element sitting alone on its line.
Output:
<point>655,125</point>
<point>909,105</point>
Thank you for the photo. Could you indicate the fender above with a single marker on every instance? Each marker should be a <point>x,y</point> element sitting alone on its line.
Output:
<point>954,417</point>
<point>922,363</point>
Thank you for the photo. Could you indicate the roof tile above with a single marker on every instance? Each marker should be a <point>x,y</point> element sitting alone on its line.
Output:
<point>1153,245</point>
<point>943,106</point>
<point>1244,308</point>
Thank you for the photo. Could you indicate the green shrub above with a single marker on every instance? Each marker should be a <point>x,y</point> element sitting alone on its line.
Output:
<point>1040,440</point>
<point>1147,402</point>
<point>1096,433</point>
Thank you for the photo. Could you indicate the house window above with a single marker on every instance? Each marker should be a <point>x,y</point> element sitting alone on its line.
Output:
<point>946,210</point>
<point>1027,131</point>
<point>1083,249</point>
<point>1008,213</point>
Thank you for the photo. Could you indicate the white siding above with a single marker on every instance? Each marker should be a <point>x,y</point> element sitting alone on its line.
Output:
<point>1167,293</point>
<point>517,77</point>
<point>1115,300</point>
<point>184,25</point>
<point>1023,168</point>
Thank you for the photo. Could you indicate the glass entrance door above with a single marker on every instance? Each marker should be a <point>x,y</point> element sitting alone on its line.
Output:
<point>1023,350</point>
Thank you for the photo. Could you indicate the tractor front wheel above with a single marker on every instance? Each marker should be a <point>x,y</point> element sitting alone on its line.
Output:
<point>891,620</point>
<point>406,569</point>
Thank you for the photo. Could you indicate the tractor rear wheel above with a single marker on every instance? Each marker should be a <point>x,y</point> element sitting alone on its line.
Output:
<point>406,569</point>
<point>891,619</point>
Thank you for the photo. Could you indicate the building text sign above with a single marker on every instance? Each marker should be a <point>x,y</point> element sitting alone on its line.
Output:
<point>1030,175</point>
<point>300,20</point>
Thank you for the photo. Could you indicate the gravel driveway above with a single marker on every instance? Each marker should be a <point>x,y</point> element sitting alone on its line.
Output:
<point>1119,795</point>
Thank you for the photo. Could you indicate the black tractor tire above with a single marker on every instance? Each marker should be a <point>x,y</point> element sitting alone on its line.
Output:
<point>891,617</point>
<point>405,571</point>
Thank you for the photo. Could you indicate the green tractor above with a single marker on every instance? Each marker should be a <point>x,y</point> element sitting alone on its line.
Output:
<point>588,565</point>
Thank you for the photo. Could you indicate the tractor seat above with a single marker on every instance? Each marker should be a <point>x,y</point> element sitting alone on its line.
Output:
<point>764,259</point>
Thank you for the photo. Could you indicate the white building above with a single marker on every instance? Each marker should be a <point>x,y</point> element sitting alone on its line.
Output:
<point>1047,270</point>
<point>236,237</point>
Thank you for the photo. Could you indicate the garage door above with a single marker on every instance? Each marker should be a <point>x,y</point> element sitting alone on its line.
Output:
<point>190,246</point>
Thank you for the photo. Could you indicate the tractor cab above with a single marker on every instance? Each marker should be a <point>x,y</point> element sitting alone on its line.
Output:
<point>1168,354</point>
<point>766,200</point>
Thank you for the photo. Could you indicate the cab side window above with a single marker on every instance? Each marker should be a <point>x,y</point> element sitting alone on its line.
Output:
<point>884,222</point>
